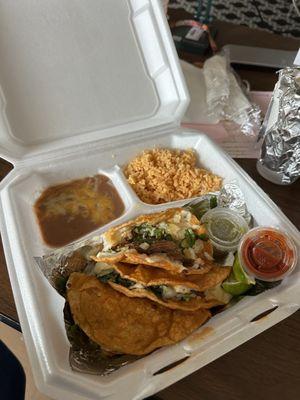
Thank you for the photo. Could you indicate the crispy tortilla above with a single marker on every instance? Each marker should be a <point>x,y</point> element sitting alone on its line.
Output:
<point>193,304</point>
<point>153,276</point>
<point>158,260</point>
<point>121,233</point>
<point>126,325</point>
<point>117,234</point>
<point>148,276</point>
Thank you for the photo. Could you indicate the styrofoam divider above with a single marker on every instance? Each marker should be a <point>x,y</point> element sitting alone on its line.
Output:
<point>40,307</point>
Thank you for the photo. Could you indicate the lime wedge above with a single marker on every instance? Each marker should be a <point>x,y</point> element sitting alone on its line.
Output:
<point>239,273</point>
<point>238,282</point>
<point>235,288</point>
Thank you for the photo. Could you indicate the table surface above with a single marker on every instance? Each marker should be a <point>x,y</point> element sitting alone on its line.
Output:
<point>269,364</point>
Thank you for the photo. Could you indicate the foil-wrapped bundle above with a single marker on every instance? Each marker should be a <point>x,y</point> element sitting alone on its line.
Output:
<point>280,133</point>
<point>227,98</point>
<point>232,197</point>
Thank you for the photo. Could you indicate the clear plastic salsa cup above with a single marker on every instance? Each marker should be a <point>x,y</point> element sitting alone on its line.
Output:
<point>267,253</point>
<point>225,228</point>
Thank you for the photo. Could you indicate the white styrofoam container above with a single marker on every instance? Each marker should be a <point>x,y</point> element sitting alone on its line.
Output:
<point>85,86</point>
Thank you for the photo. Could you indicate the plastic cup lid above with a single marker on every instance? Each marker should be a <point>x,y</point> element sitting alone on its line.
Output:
<point>225,227</point>
<point>267,253</point>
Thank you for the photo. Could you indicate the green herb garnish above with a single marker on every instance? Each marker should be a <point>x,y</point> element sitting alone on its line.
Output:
<point>146,233</point>
<point>202,236</point>
<point>156,289</point>
<point>189,239</point>
<point>185,296</point>
<point>111,276</point>
<point>213,202</point>
<point>124,282</point>
<point>116,278</point>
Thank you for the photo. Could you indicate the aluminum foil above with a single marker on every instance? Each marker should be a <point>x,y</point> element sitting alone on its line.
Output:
<point>58,265</point>
<point>232,197</point>
<point>250,120</point>
<point>280,132</point>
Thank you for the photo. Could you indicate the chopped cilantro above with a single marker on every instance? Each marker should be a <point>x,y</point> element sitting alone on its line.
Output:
<point>189,239</point>
<point>185,296</point>
<point>116,278</point>
<point>213,202</point>
<point>108,277</point>
<point>202,236</point>
<point>124,282</point>
<point>146,233</point>
<point>157,290</point>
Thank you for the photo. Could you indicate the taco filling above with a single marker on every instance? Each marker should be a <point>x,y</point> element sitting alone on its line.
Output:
<point>169,289</point>
<point>164,292</point>
<point>179,238</point>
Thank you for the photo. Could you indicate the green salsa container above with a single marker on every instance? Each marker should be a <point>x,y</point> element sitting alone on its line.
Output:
<point>225,228</point>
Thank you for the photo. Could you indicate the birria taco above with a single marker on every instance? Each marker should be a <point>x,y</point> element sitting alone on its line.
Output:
<point>173,240</point>
<point>176,291</point>
<point>126,325</point>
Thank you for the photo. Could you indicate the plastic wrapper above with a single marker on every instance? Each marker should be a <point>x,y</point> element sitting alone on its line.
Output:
<point>85,355</point>
<point>280,132</point>
<point>217,84</point>
<point>227,100</point>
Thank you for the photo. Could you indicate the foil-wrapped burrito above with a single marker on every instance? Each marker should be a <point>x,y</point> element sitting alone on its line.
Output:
<point>280,133</point>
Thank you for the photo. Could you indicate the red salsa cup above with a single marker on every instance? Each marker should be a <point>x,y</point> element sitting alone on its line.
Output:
<point>267,253</point>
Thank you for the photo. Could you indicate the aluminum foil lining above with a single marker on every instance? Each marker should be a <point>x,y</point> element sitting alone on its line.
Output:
<point>58,265</point>
<point>280,132</point>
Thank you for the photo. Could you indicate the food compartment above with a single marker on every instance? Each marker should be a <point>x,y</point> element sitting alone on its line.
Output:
<point>26,188</point>
<point>70,210</point>
<point>163,175</point>
<point>44,307</point>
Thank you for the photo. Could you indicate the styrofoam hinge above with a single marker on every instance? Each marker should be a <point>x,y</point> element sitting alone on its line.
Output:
<point>104,143</point>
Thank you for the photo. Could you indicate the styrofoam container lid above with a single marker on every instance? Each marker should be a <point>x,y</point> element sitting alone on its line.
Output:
<point>76,71</point>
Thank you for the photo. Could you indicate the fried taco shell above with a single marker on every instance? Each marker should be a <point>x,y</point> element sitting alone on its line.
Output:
<point>170,240</point>
<point>193,304</point>
<point>158,260</point>
<point>133,257</point>
<point>176,291</point>
<point>118,234</point>
<point>153,276</point>
<point>126,325</point>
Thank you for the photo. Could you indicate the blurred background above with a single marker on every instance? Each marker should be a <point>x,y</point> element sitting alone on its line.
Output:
<point>277,16</point>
